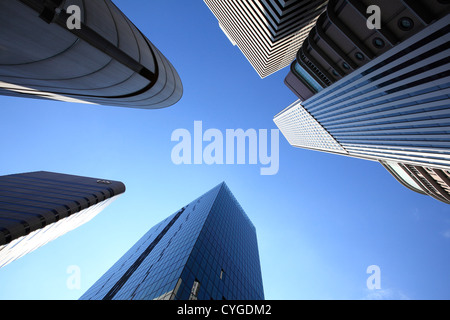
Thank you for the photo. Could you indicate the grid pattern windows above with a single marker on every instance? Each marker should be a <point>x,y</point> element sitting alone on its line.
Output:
<point>207,250</point>
<point>225,258</point>
<point>302,130</point>
<point>396,107</point>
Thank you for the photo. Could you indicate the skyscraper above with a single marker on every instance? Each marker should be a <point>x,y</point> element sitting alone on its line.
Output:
<point>102,58</point>
<point>376,94</point>
<point>343,40</point>
<point>268,32</point>
<point>38,207</point>
<point>206,250</point>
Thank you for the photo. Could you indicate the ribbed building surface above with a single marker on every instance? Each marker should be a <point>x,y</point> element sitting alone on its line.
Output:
<point>396,107</point>
<point>38,207</point>
<point>207,250</point>
<point>268,32</point>
<point>381,94</point>
<point>341,42</point>
<point>107,61</point>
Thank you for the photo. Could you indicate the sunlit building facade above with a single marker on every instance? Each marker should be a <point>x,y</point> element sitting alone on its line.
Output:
<point>381,94</point>
<point>102,58</point>
<point>303,131</point>
<point>206,250</point>
<point>39,207</point>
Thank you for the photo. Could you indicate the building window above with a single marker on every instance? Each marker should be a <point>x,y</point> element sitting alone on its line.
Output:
<point>405,23</point>
<point>378,43</point>
<point>359,56</point>
<point>307,77</point>
<point>346,66</point>
<point>194,290</point>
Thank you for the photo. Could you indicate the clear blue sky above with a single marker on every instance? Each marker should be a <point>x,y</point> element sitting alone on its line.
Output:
<point>321,221</point>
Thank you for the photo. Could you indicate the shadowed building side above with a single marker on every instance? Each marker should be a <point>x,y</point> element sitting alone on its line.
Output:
<point>38,207</point>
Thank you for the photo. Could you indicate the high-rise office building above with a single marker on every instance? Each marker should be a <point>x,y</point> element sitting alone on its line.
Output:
<point>343,39</point>
<point>268,32</point>
<point>38,207</point>
<point>206,250</point>
<point>102,58</point>
<point>377,94</point>
<point>303,131</point>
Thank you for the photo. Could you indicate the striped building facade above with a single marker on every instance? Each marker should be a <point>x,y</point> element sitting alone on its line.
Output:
<point>268,32</point>
<point>434,182</point>
<point>393,106</point>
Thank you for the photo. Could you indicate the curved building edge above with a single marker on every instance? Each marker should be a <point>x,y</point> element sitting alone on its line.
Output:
<point>107,61</point>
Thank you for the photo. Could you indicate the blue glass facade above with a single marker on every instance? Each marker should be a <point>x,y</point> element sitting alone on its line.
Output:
<point>206,250</point>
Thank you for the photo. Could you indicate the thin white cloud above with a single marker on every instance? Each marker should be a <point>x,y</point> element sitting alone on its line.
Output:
<point>385,294</point>
<point>446,234</point>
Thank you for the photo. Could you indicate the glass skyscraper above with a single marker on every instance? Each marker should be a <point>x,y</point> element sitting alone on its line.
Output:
<point>206,250</point>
